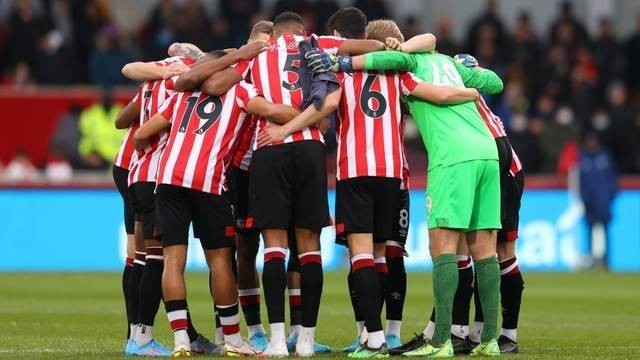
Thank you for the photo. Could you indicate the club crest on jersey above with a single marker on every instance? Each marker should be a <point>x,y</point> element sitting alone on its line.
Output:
<point>428,204</point>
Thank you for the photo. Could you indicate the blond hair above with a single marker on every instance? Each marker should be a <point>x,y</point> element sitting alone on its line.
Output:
<point>261,27</point>
<point>382,29</point>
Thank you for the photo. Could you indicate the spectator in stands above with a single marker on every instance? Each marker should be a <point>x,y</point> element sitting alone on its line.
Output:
<point>67,135</point>
<point>632,54</point>
<point>446,43</point>
<point>566,23</point>
<point>598,186</point>
<point>107,60</point>
<point>487,32</point>
<point>238,13</point>
<point>608,55</point>
<point>555,137</point>
<point>57,168</point>
<point>622,129</point>
<point>525,45</point>
<point>99,139</point>
<point>522,136</point>
<point>89,18</point>
<point>20,168</point>
<point>25,29</point>
<point>411,28</point>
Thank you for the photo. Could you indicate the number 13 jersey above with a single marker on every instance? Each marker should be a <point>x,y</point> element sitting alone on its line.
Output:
<point>204,130</point>
<point>369,124</point>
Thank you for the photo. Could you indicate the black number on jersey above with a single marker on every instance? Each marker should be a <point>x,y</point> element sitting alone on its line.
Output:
<point>201,110</point>
<point>291,65</point>
<point>368,94</point>
<point>146,103</point>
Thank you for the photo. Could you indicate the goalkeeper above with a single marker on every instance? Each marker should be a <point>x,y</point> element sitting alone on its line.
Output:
<point>464,182</point>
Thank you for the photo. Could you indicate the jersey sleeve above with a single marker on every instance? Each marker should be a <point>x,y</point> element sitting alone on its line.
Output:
<point>166,109</point>
<point>243,67</point>
<point>137,99</point>
<point>244,93</point>
<point>408,82</point>
<point>329,44</point>
<point>389,61</point>
<point>170,84</point>
<point>483,80</point>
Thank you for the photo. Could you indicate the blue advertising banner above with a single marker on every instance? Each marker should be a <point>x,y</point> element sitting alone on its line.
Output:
<point>82,230</point>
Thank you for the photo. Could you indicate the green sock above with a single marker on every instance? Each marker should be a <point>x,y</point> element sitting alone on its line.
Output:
<point>445,283</point>
<point>488,277</point>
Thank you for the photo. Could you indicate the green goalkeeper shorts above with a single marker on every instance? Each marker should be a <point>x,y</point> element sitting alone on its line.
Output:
<point>464,196</point>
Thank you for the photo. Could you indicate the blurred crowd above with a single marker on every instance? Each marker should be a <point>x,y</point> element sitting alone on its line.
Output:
<point>560,87</point>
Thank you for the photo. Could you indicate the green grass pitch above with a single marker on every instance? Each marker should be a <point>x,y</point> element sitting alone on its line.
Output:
<point>80,315</point>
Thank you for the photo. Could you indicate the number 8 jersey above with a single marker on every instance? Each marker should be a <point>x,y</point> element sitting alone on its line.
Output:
<point>369,127</point>
<point>204,131</point>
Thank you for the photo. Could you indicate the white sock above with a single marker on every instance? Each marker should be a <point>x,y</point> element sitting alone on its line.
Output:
<point>219,336</point>
<point>233,339</point>
<point>182,339</point>
<point>375,339</point>
<point>476,333</point>
<point>307,334</point>
<point>393,327</point>
<point>510,333</point>
<point>294,330</point>
<point>360,327</point>
<point>364,335</point>
<point>277,333</point>
<point>429,330</point>
<point>461,331</point>
<point>144,334</point>
<point>133,329</point>
<point>253,329</point>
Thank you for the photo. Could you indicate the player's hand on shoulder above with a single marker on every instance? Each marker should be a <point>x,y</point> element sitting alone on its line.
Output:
<point>466,60</point>
<point>272,133</point>
<point>173,69</point>
<point>320,62</point>
<point>393,44</point>
<point>251,50</point>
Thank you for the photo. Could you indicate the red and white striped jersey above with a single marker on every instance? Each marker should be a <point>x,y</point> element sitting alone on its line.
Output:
<point>127,154</point>
<point>404,185</point>
<point>244,151</point>
<point>151,95</point>
<point>497,130</point>
<point>275,74</point>
<point>369,124</point>
<point>204,130</point>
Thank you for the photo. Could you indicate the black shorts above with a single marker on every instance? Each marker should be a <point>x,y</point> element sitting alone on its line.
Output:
<point>120,177</point>
<point>143,199</point>
<point>210,214</point>
<point>288,187</point>
<point>367,205</point>
<point>511,189</point>
<point>401,225</point>
<point>239,191</point>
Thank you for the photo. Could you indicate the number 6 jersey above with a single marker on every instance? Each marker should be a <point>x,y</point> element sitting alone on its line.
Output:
<point>369,127</point>
<point>204,130</point>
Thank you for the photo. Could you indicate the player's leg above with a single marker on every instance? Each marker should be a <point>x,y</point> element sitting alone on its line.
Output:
<point>120,176</point>
<point>462,301</point>
<point>482,247</point>
<point>270,184</point>
<point>397,283</point>
<point>293,290</point>
<point>247,251</point>
<point>174,215</point>
<point>151,281</point>
<point>511,282</point>
<point>213,221</point>
<point>310,215</point>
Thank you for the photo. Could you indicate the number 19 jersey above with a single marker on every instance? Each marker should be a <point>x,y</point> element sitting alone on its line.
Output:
<point>204,131</point>
<point>369,129</point>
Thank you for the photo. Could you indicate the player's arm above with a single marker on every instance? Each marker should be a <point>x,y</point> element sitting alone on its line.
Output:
<point>220,82</point>
<point>127,116</point>
<point>155,125</point>
<point>186,49</point>
<point>201,72</point>
<point>484,80</point>
<point>277,113</point>
<point>320,62</point>
<point>308,117</point>
<point>359,47</point>
<point>444,94</point>
<point>147,71</point>
<point>423,43</point>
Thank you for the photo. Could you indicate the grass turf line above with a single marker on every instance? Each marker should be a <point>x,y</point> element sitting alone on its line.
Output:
<point>81,315</point>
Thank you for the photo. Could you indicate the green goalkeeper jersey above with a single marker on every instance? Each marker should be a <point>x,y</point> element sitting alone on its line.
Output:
<point>451,133</point>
